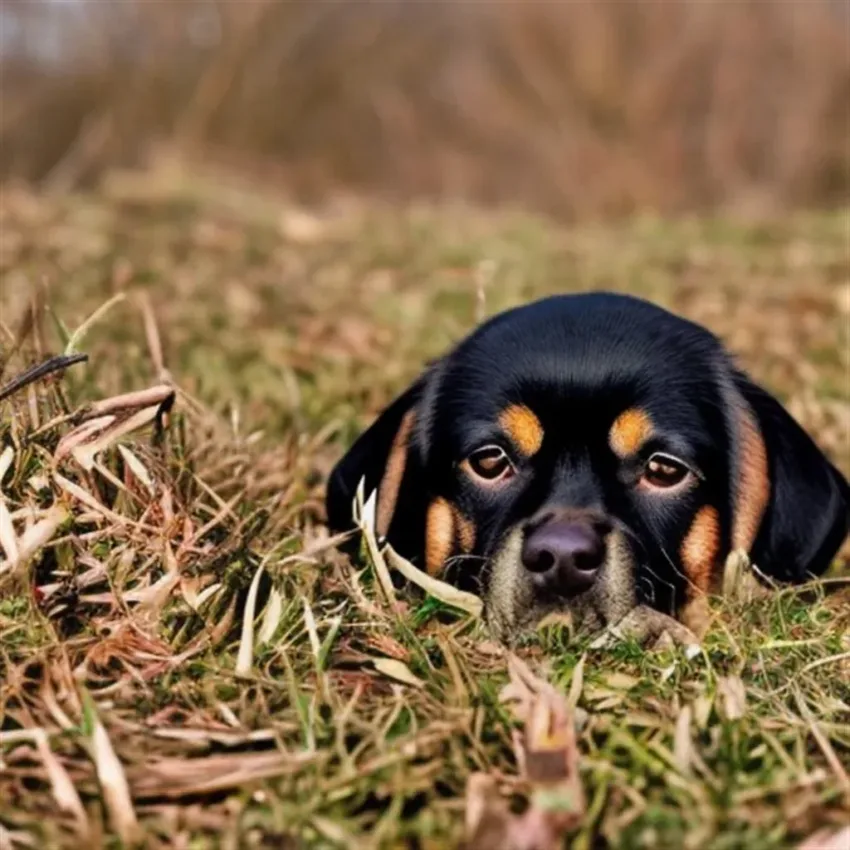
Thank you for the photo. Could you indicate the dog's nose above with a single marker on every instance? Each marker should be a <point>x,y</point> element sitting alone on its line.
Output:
<point>564,555</point>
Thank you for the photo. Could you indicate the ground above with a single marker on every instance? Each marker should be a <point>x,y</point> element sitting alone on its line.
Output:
<point>339,720</point>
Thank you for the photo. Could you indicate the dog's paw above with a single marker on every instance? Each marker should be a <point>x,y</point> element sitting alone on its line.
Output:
<point>651,629</point>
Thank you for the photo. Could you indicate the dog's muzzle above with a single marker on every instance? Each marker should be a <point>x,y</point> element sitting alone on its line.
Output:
<point>561,561</point>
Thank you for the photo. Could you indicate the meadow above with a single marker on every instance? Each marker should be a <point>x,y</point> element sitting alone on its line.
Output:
<point>185,659</point>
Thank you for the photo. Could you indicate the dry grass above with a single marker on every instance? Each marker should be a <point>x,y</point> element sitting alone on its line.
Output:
<point>581,108</point>
<point>138,694</point>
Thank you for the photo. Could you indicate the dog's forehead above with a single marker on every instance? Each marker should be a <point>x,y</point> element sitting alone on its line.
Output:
<point>591,345</point>
<point>577,364</point>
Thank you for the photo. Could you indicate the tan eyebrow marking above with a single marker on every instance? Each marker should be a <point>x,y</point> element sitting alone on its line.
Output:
<point>392,477</point>
<point>753,485</point>
<point>523,427</point>
<point>631,429</point>
<point>699,553</point>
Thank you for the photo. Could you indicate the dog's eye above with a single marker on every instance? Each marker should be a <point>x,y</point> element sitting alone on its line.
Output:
<point>490,463</point>
<point>663,472</point>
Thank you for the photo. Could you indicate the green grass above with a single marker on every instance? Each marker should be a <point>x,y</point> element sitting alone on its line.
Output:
<point>282,347</point>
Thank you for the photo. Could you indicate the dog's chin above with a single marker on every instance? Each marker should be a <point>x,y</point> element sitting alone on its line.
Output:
<point>513,607</point>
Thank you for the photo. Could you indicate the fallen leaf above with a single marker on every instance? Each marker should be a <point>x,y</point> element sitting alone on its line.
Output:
<point>733,696</point>
<point>621,681</point>
<point>64,792</point>
<point>364,517</point>
<point>547,755</point>
<point>683,746</point>
<point>491,824</point>
<point>739,581</point>
<point>272,616</point>
<point>110,775</point>
<point>398,670</point>
<point>245,657</point>
<point>138,469</point>
<point>8,538</point>
<point>173,778</point>
<point>468,602</point>
<point>6,459</point>
<point>823,839</point>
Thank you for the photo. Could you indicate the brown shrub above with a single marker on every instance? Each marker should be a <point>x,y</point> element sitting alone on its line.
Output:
<point>580,108</point>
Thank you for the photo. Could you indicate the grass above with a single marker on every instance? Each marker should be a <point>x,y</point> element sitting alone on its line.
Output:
<point>136,697</point>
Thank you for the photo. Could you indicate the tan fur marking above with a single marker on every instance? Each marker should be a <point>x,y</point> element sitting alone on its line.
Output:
<point>753,483</point>
<point>630,431</point>
<point>700,551</point>
<point>465,529</point>
<point>393,474</point>
<point>439,535</point>
<point>523,427</point>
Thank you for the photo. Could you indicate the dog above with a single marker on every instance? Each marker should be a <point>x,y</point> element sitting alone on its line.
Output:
<point>598,455</point>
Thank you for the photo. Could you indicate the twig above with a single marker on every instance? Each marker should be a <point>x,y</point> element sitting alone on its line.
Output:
<point>162,395</point>
<point>54,364</point>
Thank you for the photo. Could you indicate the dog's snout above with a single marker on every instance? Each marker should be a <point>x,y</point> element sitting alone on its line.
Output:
<point>564,555</point>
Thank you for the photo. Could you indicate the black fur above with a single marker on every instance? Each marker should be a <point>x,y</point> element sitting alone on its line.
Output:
<point>578,361</point>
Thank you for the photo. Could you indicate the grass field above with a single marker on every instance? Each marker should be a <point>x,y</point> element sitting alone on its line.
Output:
<point>137,705</point>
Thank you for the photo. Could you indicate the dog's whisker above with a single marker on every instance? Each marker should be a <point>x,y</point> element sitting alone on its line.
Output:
<point>644,582</point>
<point>661,579</point>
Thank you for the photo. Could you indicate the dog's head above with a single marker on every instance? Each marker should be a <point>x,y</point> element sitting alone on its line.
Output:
<point>590,453</point>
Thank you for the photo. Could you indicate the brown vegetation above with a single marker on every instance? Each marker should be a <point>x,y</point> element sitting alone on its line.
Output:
<point>184,655</point>
<point>578,108</point>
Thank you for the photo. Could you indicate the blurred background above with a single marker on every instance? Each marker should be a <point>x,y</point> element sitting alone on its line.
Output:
<point>578,109</point>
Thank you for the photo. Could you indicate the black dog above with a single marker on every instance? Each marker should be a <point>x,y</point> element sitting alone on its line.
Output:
<point>593,453</point>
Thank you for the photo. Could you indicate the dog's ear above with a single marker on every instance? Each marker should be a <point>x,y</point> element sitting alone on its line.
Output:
<point>792,508</point>
<point>386,456</point>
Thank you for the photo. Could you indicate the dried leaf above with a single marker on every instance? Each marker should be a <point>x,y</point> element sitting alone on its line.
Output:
<point>8,537</point>
<point>245,658</point>
<point>272,616</point>
<point>87,499</point>
<point>551,756</point>
<point>702,711</point>
<point>547,754</point>
<point>36,536</point>
<point>398,670</point>
<point>825,840</point>
<point>86,451</point>
<point>173,778</point>
<point>6,459</point>
<point>739,581</point>
<point>620,681</point>
<point>153,598</point>
<point>79,435</point>
<point>110,775</point>
<point>161,396</point>
<point>310,625</point>
<point>364,516</point>
<point>138,469</point>
<point>576,683</point>
<point>733,697</point>
<point>63,788</point>
<point>447,594</point>
<point>683,746</point>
